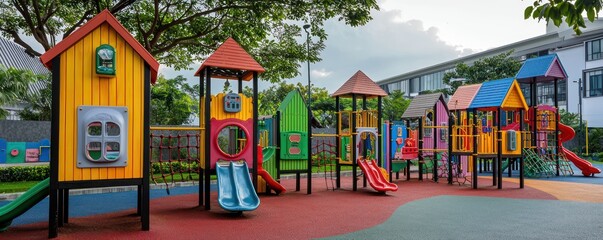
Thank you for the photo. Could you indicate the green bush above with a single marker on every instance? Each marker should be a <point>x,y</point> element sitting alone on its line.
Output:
<point>177,167</point>
<point>25,173</point>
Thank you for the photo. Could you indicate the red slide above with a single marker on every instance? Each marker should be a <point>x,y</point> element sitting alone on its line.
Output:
<point>566,134</point>
<point>375,176</point>
<point>277,187</point>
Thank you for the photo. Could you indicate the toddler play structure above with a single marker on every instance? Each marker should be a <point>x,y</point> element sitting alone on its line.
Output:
<point>359,133</point>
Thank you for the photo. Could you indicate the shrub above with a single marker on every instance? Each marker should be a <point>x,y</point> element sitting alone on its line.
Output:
<point>24,173</point>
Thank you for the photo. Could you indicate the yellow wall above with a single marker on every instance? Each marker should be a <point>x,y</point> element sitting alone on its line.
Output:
<point>217,108</point>
<point>517,142</point>
<point>81,86</point>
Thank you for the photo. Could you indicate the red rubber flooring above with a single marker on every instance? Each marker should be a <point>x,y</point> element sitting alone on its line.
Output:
<point>293,215</point>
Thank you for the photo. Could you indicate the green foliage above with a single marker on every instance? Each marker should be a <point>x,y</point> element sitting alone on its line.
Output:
<point>178,33</point>
<point>395,105</point>
<point>174,167</point>
<point>595,140</point>
<point>570,119</point>
<point>173,101</point>
<point>491,68</point>
<point>14,84</point>
<point>40,103</point>
<point>572,11</point>
<point>25,173</point>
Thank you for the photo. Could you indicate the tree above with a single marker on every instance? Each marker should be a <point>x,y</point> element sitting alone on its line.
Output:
<point>170,102</point>
<point>571,11</point>
<point>179,33</point>
<point>14,84</point>
<point>395,105</point>
<point>40,103</point>
<point>496,67</point>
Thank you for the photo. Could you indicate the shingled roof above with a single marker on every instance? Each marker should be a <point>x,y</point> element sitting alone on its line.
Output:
<point>545,68</point>
<point>360,84</point>
<point>422,103</point>
<point>231,61</point>
<point>463,96</point>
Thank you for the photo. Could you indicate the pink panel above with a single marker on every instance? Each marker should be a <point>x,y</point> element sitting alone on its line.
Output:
<point>217,154</point>
<point>555,70</point>
<point>32,155</point>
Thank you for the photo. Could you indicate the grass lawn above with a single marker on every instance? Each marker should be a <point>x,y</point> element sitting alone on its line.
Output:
<point>12,187</point>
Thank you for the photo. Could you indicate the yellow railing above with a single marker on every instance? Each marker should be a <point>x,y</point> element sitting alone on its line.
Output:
<point>462,138</point>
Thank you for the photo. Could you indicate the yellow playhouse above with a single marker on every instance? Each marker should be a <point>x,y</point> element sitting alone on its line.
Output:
<point>101,79</point>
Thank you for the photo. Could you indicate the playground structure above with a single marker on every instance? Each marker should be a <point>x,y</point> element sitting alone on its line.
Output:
<point>426,121</point>
<point>101,78</point>
<point>544,120</point>
<point>359,132</point>
<point>99,141</point>
<point>24,152</point>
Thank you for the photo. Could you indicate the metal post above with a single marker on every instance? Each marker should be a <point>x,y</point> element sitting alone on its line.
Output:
<point>309,172</point>
<point>556,100</point>
<point>338,145</point>
<point>207,170</point>
<point>474,159</point>
<point>498,165</point>
<point>255,133</point>
<point>521,141</point>
<point>353,143</point>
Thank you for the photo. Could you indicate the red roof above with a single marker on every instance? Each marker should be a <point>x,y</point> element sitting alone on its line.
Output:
<point>463,96</point>
<point>103,17</point>
<point>360,84</point>
<point>231,56</point>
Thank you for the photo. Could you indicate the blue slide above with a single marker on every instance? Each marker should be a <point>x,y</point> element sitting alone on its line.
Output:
<point>235,189</point>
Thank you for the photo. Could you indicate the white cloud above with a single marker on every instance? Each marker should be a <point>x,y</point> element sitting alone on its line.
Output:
<point>320,73</point>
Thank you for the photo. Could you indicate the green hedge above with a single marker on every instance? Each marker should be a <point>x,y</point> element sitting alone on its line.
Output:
<point>157,168</point>
<point>29,173</point>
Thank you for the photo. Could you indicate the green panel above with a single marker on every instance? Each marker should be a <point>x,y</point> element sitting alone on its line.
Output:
<point>294,114</point>
<point>294,165</point>
<point>345,154</point>
<point>294,145</point>
<point>269,163</point>
<point>15,147</point>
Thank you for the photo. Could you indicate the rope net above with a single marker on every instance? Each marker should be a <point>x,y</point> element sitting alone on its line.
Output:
<point>174,157</point>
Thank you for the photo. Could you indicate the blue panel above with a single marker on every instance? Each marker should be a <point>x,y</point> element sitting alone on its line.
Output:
<point>2,150</point>
<point>492,93</point>
<point>397,137</point>
<point>535,67</point>
<point>45,150</point>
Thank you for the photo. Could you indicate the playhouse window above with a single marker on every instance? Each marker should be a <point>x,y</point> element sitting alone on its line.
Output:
<point>428,124</point>
<point>444,132</point>
<point>109,138</point>
<point>112,129</point>
<point>95,129</point>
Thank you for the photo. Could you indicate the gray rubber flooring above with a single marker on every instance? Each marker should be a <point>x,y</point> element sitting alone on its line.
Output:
<point>460,217</point>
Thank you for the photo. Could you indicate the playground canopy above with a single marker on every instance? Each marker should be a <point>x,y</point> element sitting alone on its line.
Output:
<point>422,103</point>
<point>231,61</point>
<point>541,69</point>
<point>359,84</point>
<point>463,96</point>
<point>504,93</point>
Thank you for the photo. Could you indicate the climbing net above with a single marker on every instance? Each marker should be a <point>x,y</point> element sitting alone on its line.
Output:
<point>324,157</point>
<point>174,157</point>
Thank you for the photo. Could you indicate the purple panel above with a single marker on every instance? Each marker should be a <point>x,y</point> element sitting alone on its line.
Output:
<point>441,120</point>
<point>555,70</point>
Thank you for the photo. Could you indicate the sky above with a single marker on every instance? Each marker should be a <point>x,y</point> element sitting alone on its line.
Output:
<point>407,35</point>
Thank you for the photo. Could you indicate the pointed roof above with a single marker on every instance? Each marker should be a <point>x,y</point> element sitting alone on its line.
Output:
<point>103,17</point>
<point>231,61</point>
<point>359,84</point>
<point>463,96</point>
<point>422,103</point>
<point>545,68</point>
<point>295,93</point>
<point>499,93</point>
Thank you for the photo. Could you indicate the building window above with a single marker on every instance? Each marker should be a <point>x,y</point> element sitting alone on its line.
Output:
<point>593,50</point>
<point>593,83</point>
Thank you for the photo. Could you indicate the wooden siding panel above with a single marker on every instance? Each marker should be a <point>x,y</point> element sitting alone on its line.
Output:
<point>81,86</point>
